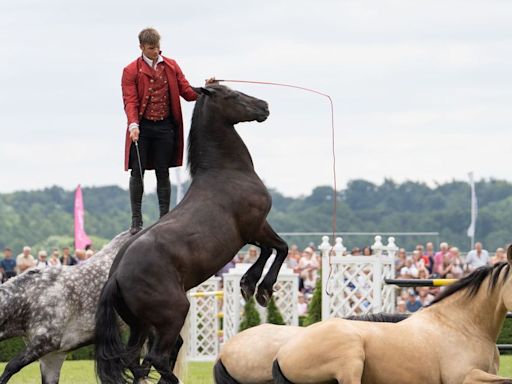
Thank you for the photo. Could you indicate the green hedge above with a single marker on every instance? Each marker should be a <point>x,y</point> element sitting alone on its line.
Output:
<point>505,336</point>
<point>84,353</point>
<point>274,316</point>
<point>10,348</point>
<point>250,316</point>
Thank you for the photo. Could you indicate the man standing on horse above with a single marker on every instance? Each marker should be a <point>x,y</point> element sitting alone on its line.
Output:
<point>152,86</point>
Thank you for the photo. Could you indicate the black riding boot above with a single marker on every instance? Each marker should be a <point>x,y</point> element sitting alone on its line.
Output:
<point>136,191</point>
<point>163,191</point>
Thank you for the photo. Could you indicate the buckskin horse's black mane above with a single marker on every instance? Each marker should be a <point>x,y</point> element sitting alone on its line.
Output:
<point>472,283</point>
<point>380,317</point>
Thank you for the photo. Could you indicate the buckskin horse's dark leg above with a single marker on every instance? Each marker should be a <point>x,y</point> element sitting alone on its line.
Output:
<point>269,238</point>
<point>253,275</point>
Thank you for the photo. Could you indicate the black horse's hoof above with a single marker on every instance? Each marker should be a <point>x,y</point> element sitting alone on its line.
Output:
<point>263,296</point>
<point>246,289</point>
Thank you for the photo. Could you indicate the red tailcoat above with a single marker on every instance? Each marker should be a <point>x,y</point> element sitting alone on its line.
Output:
<point>135,85</point>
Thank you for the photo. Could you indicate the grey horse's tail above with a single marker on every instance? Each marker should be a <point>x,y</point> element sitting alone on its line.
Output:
<point>109,348</point>
<point>222,375</point>
<point>277,374</point>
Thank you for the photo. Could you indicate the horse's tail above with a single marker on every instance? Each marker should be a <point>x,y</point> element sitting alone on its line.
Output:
<point>109,348</point>
<point>180,368</point>
<point>277,374</point>
<point>221,374</point>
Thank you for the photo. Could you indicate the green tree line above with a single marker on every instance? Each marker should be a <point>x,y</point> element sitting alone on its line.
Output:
<point>44,218</point>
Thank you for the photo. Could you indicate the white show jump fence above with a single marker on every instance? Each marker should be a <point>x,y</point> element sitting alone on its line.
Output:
<point>208,305</point>
<point>351,285</point>
<point>354,285</point>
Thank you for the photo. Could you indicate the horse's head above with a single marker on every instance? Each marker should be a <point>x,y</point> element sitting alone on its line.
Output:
<point>234,106</point>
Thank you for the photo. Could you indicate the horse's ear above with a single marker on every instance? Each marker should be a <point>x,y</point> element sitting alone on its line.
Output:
<point>206,91</point>
<point>509,254</point>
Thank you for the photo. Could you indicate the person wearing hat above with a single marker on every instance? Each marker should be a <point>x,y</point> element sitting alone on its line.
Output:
<point>25,260</point>
<point>42,259</point>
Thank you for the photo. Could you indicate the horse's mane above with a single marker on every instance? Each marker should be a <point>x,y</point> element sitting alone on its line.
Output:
<point>472,283</point>
<point>380,317</point>
<point>193,137</point>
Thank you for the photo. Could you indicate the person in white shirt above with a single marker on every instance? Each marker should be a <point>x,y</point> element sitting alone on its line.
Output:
<point>302,305</point>
<point>478,257</point>
<point>54,259</point>
<point>42,261</point>
<point>409,271</point>
<point>25,260</point>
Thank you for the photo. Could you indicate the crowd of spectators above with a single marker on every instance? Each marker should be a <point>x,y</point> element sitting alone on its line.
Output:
<point>422,263</point>
<point>10,266</point>
<point>446,263</point>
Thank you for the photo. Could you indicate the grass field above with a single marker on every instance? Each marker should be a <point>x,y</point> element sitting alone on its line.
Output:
<point>82,372</point>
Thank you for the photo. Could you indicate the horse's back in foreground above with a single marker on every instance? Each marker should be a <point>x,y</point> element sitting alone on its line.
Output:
<point>247,357</point>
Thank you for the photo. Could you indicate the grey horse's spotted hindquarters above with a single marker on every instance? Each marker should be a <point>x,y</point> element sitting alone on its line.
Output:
<point>54,310</point>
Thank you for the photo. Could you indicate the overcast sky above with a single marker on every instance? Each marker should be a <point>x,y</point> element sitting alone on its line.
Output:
<point>422,89</point>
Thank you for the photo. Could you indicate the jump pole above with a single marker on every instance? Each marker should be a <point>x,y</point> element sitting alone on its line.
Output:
<point>420,282</point>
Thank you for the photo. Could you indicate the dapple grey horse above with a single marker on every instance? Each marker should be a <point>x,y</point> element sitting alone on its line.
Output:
<point>54,309</point>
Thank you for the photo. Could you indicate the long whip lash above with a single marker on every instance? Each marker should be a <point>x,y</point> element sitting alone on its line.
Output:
<point>334,197</point>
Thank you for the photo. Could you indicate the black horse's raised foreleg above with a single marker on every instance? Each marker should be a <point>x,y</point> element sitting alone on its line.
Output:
<point>253,275</point>
<point>270,239</point>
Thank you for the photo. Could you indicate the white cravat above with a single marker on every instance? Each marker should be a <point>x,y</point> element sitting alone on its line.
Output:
<point>150,62</point>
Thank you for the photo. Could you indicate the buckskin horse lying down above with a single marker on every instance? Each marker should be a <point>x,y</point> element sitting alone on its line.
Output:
<point>258,347</point>
<point>225,208</point>
<point>452,341</point>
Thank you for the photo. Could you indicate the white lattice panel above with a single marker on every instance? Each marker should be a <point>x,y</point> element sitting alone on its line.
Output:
<point>353,285</point>
<point>204,311</point>
<point>231,306</point>
<point>388,291</point>
<point>286,299</point>
<point>203,343</point>
<point>287,288</point>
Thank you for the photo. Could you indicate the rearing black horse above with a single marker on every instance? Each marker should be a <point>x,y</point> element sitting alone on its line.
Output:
<point>225,208</point>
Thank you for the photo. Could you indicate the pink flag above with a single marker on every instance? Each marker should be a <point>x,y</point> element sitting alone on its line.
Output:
<point>81,239</point>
